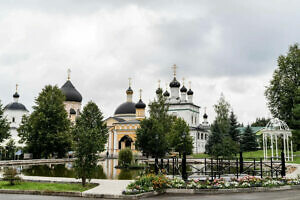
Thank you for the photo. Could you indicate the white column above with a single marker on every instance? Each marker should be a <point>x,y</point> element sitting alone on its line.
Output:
<point>284,146</point>
<point>276,147</point>
<point>115,142</point>
<point>287,148</point>
<point>264,146</point>
<point>292,150</point>
<point>266,141</point>
<point>272,146</point>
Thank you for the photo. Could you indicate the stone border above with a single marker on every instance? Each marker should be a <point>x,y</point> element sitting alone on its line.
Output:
<point>154,193</point>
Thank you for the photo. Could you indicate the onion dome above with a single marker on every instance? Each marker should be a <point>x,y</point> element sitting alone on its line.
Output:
<point>140,104</point>
<point>190,92</point>
<point>166,93</point>
<point>70,92</point>
<point>72,111</point>
<point>129,91</point>
<point>205,116</point>
<point>174,83</point>
<point>159,91</point>
<point>183,89</point>
<point>126,108</point>
<point>15,106</point>
<point>16,95</point>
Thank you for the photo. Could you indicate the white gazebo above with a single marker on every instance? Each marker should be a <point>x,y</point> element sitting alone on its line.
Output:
<point>275,129</point>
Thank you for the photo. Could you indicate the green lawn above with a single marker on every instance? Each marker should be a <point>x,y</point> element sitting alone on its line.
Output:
<point>58,187</point>
<point>253,154</point>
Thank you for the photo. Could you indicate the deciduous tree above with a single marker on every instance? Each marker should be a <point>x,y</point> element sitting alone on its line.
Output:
<point>4,126</point>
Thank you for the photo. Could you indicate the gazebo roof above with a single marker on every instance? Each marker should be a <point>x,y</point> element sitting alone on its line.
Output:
<point>277,126</point>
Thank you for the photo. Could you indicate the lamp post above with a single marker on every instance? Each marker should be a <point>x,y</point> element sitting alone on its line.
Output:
<point>156,158</point>
<point>183,163</point>
<point>282,157</point>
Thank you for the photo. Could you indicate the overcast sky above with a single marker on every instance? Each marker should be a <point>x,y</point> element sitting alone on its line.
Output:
<point>221,46</point>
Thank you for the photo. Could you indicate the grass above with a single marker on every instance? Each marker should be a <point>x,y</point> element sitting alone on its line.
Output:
<point>57,187</point>
<point>254,154</point>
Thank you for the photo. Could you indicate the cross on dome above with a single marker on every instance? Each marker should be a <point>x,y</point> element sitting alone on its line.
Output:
<point>17,87</point>
<point>174,67</point>
<point>141,93</point>
<point>158,83</point>
<point>129,81</point>
<point>69,74</point>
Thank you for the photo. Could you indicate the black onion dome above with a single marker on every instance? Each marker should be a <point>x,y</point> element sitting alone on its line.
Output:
<point>205,116</point>
<point>70,92</point>
<point>174,83</point>
<point>126,108</point>
<point>15,106</point>
<point>72,111</point>
<point>159,91</point>
<point>166,93</point>
<point>183,89</point>
<point>16,95</point>
<point>129,91</point>
<point>190,92</point>
<point>140,104</point>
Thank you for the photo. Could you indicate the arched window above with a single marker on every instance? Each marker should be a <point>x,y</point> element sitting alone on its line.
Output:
<point>13,119</point>
<point>201,136</point>
<point>198,136</point>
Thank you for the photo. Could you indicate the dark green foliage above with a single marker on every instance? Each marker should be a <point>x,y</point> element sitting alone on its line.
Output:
<point>295,125</point>
<point>220,142</point>
<point>10,149</point>
<point>11,175</point>
<point>47,130</point>
<point>90,135</point>
<point>281,92</point>
<point>176,137</point>
<point>248,142</point>
<point>151,137</point>
<point>125,157</point>
<point>4,126</point>
<point>260,122</point>
<point>233,131</point>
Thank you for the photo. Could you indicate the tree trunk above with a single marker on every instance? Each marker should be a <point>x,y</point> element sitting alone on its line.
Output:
<point>83,181</point>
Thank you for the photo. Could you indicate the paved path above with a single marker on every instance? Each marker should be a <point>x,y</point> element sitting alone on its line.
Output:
<point>275,195</point>
<point>295,173</point>
<point>114,187</point>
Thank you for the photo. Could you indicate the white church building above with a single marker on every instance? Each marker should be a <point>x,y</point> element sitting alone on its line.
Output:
<point>181,104</point>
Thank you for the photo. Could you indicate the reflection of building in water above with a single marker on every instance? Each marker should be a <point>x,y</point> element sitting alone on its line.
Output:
<point>109,168</point>
<point>123,125</point>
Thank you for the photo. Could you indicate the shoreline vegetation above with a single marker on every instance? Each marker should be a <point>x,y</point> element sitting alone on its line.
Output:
<point>47,186</point>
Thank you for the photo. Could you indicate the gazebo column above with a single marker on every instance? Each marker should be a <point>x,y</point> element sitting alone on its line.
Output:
<point>272,146</point>
<point>287,148</point>
<point>264,146</point>
<point>276,141</point>
<point>292,150</point>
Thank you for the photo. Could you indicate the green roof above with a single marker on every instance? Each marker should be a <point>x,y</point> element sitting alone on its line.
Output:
<point>255,129</point>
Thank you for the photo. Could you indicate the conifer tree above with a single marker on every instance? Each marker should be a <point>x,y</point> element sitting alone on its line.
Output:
<point>4,126</point>
<point>249,142</point>
<point>90,135</point>
<point>296,122</point>
<point>47,130</point>
<point>233,131</point>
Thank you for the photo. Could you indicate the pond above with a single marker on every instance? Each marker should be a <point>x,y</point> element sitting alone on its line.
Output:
<point>105,170</point>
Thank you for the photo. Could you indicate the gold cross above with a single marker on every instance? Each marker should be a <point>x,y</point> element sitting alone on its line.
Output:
<point>69,74</point>
<point>174,69</point>
<point>166,86</point>
<point>158,83</point>
<point>141,93</point>
<point>204,109</point>
<point>183,79</point>
<point>129,79</point>
<point>190,84</point>
<point>17,87</point>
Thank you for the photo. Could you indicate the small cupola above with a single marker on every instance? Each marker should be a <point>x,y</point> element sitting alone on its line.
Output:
<point>140,108</point>
<point>190,93</point>
<point>183,91</point>
<point>129,91</point>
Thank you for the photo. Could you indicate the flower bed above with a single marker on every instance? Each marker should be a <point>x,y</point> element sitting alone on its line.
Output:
<point>151,182</point>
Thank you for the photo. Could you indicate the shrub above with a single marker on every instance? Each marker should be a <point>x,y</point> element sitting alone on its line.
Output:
<point>125,157</point>
<point>11,175</point>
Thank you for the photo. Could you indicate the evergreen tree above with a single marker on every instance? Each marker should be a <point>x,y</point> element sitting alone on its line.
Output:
<point>296,122</point>
<point>261,122</point>
<point>47,130</point>
<point>151,137</point>
<point>233,131</point>
<point>4,126</point>
<point>249,142</point>
<point>281,92</point>
<point>90,135</point>
<point>10,149</point>
<point>177,140</point>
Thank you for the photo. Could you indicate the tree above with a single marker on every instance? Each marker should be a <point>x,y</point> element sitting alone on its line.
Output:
<point>219,141</point>
<point>261,122</point>
<point>4,126</point>
<point>10,148</point>
<point>90,135</point>
<point>282,89</point>
<point>177,140</point>
<point>151,137</point>
<point>47,130</point>
<point>296,121</point>
<point>249,142</point>
<point>233,131</point>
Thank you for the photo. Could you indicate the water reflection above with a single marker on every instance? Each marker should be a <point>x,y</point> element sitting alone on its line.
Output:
<point>105,170</point>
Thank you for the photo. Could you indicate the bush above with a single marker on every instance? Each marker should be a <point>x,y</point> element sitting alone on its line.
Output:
<point>11,175</point>
<point>125,157</point>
